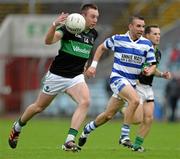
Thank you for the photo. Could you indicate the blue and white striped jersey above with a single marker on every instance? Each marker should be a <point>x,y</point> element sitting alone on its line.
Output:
<point>129,56</point>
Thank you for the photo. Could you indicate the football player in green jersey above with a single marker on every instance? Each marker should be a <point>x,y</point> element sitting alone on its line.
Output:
<point>65,74</point>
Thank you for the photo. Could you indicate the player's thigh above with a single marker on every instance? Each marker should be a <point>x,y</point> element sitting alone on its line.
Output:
<point>79,92</point>
<point>129,93</point>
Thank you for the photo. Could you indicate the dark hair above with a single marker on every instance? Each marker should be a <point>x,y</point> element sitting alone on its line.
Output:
<point>135,17</point>
<point>85,7</point>
<point>148,28</point>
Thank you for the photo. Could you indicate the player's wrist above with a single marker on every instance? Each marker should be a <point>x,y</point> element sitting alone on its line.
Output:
<point>94,64</point>
<point>54,24</point>
<point>161,74</point>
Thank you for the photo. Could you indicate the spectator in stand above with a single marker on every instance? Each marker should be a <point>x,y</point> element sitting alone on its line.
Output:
<point>175,55</point>
<point>172,95</point>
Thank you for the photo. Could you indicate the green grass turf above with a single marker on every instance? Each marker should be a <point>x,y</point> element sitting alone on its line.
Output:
<point>42,139</point>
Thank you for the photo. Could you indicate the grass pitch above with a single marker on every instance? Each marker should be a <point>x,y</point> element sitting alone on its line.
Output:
<point>42,139</point>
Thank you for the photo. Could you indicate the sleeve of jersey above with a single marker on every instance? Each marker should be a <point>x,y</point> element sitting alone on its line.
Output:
<point>109,43</point>
<point>62,29</point>
<point>159,53</point>
<point>150,58</point>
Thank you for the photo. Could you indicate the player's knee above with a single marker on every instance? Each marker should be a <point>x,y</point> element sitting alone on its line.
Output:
<point>85,102</point>
<point>149,119</point>
<point>135,102</point>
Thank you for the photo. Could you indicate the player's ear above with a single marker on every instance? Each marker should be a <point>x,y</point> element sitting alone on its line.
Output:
<point>130,26</point>
<point>147,36</point>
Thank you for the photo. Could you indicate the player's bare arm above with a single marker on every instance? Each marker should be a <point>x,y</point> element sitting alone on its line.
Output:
<point>91,71</point>
<point>52,35</point>
<point>165,74</point>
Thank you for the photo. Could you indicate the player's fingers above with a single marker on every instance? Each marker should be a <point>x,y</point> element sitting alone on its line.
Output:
<point>169,74</point>
<point>63,15</point>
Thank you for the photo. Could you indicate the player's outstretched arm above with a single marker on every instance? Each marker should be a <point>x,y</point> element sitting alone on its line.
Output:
<point>165,74</point>
<point>52,35</point>
<point>91,71</point>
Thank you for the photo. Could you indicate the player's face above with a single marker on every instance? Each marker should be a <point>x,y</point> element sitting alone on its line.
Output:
<point>154,36</point>
<point>136,28</point>
<point>91,17</point>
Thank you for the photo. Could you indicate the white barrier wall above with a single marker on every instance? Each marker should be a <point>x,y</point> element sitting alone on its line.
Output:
<point>23,35</point>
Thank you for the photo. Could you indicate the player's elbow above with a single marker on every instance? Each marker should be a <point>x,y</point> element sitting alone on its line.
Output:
<point>47,41</point>
<point>102,48</point>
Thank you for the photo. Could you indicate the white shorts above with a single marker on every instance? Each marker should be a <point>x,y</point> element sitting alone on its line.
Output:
<point>54,84</point>
<point>145,93</point>
<point>118,85</point>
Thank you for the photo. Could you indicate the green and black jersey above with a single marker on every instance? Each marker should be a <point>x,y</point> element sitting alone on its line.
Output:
<point>149,79</point>
<point>74,52</point>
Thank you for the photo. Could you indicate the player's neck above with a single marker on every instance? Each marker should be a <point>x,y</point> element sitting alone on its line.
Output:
<point>133,37</point>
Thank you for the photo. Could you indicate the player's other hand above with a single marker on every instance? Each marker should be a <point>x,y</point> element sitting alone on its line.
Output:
<point>90,72</point>
<point>166,75</point>
<point>60,20</point>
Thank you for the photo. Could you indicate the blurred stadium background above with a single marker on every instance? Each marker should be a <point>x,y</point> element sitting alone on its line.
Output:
<point>24,58</point>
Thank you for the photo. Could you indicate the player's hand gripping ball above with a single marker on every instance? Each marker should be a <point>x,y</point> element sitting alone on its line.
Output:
<point>75,23</point>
